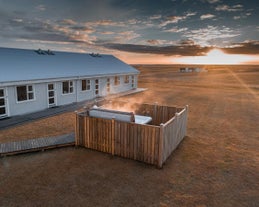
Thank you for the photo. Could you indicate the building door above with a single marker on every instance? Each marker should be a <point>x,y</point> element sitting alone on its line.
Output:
<point>97,87</point>
<point>51,95</point>
<point>108,86</point>
<point>3,103</point>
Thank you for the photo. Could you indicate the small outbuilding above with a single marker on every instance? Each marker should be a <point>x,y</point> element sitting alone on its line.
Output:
<point>191,70</point>
<point>34,80</point>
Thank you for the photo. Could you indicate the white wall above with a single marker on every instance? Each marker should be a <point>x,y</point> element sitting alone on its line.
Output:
<point>40,101</point>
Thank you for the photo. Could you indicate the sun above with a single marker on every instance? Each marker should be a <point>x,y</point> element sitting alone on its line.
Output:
<point>215,53</point>
<point>216,57</point>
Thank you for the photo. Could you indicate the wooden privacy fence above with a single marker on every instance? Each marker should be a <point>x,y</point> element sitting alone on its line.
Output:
<point>151,144</point>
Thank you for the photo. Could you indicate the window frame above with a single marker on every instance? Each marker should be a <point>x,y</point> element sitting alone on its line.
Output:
<point>70,87</point>
<point>87,85</point>
<point>29,93</point>
<point>117,80</point>
<point>126,79</point>
<point>108,85</point>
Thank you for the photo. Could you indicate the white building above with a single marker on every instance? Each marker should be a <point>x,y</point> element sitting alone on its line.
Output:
<point>31,80</point>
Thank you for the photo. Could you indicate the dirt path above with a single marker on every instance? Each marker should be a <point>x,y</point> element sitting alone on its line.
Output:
<point>217,164</point>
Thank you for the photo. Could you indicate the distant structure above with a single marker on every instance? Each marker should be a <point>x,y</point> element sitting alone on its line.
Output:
<point>33,80</point>
<point>190,70</point>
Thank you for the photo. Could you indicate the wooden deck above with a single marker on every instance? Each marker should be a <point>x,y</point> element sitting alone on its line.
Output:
<point>38,144</point>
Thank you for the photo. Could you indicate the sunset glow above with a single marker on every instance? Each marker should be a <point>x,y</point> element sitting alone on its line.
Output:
<point>137,32</point>
<point>217,57</point>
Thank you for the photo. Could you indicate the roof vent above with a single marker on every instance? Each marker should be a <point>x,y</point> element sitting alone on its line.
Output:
<point>95,55</point>
<point>42,52</point>
<point>49,52</point>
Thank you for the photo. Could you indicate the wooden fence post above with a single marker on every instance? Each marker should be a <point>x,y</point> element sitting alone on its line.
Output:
<point>87,133</point>
<point>186,119</point>
<point>76,129</point>
<point>113,136</point>
<point>155,111</point>
<point>161,146</point>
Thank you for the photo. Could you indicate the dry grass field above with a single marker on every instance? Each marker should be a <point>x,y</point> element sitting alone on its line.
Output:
<point>217,164</point>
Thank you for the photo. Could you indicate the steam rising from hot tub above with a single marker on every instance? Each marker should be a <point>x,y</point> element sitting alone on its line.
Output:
<point>106,113</point>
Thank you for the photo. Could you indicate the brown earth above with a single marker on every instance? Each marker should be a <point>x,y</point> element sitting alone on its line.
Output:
<point>217,164</point>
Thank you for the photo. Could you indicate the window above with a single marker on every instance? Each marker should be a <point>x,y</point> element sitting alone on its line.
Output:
<point>96,87</point>
<point>86,85</point>
<point>116,80</point>
<point>67,87</point>
<point>108,86</point>
<point>126,79</point>
<point>24,93</point>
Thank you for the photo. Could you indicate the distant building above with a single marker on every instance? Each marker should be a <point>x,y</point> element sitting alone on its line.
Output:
<point>190,70</point>
<point>31,80</point>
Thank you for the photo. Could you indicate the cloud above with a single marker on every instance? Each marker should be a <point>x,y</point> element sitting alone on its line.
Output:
<point>176,19</point>
<point>242,16</point>
<point>249,47</point>
<point>172,20</point>
<point>176,30</point>
<point>225,7</point>
<point>17,20</point>
<point>213,1</point>
<point>204,36</point>
<point>41,7</point>
<point>107,32</point>
<point>236,17</point>
<point>189,14</point>
<point>67,22</point>
<point>56,31</point>
<point>184,48</point>
<point>105,22</point>
<point>127,36</point>
<point>153,42</point>
<point>155,17</point>
<point>207,16</point>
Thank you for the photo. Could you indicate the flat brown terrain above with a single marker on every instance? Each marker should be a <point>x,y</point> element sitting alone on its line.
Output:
<point>217,164</point>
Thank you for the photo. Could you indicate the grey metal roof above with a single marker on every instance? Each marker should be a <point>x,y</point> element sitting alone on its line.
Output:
<point>28,65</point>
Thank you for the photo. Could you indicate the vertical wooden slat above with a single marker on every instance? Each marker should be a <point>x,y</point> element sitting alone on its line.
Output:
<point>160,151</point>
<point>135,141</point>
<point>77,142</point>
<point>113,136</point>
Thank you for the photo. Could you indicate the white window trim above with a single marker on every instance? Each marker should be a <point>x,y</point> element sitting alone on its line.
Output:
<point>126,83</point>
<point>55,94</point>
<point>7,112</point>
<point>119,78</point>
<point>67,94</point>
<point>29,100</point>
<point>87,90</point>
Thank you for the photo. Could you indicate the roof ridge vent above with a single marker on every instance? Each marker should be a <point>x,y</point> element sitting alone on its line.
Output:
<point>49,52</point>
<point>95,55</point>
<point>46,52</point>
<point>40,52</point>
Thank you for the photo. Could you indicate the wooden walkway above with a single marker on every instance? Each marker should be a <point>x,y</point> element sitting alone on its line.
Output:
<point>38,144</point>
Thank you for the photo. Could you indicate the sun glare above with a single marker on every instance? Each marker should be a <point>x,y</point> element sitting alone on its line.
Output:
<point>216,57</point>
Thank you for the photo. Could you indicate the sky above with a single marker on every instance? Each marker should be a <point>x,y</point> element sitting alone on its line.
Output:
<point>137,31</point>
